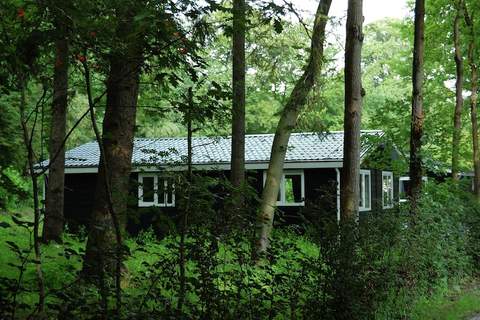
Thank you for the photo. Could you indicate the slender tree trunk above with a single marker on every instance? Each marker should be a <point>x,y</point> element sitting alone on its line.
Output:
<point>54,221</point>
<point>115,160</point>
<point>417,118</point>
<point>349,193</point>
<point>186,213</point>
<point>473,101</point>
<point>237,175</point>
<point>457,116</point>
<point>286,124</point>
<point>473,111</point>
<point>28,139</point>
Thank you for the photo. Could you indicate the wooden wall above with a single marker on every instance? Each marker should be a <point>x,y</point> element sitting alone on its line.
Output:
<point>320,200</point>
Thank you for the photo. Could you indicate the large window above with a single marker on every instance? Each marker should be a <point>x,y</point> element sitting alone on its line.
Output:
<point>365,201</point>
<point>155,190</point>
<point>404,187</point>
<point>387,189</point>
<point>292,188</point>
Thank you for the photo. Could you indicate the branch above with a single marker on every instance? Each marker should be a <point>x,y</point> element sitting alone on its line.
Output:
<point>299,17</point>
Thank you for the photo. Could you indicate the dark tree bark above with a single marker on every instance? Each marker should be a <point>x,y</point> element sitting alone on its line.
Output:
<point>54,222</point>
<point>186,213</point>
<point>286,124</point>
<point>417,118</point>
<point>109,211</point>
<point>349,193</point>
<point>473,100</point>
<point>457,116</point>
<point>237,176</point>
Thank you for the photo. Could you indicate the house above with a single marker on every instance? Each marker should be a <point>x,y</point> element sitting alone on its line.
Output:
<point>312,170</point>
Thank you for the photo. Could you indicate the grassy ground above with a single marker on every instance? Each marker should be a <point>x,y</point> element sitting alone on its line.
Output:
<point>463,303</point>
<point>58,263</point>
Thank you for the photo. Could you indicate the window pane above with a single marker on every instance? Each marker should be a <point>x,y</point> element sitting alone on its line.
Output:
<point>367,191</point>
<point>387,190</point>
<point>148,189</point>
<point>161,191</point>
<point>391,190</point>
<point>169,191</point>
<point>293,188</point>
<point>404,186</point>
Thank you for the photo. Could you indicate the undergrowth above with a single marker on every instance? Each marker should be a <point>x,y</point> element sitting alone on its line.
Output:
<point>378,268</point>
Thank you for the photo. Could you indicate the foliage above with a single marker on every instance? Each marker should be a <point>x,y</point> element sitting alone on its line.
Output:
<point>392,259</point>
<point>389,264</point>
<point>14,189</point>
<point>460,303</point>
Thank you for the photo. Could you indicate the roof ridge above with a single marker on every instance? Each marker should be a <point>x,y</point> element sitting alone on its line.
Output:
<point>256,135</point>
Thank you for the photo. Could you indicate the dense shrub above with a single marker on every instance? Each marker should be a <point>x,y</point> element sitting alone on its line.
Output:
<point>376,268</point>
<point>14,188</point>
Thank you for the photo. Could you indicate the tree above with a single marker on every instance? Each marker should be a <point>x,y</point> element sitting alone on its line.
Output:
<point>305,84</point>
<point>349,193</point>
<point>473,99</point>
<point>417,116</point>
<point>110,205</point>
<point>457,116</point>
<point>136,32</point>
<point>237,175</point>
<point>54,222</point>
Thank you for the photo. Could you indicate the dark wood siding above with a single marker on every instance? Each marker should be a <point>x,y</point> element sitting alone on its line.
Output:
<point>377,203</point>
<point>320,195</point>
<point>320,199</point>
<point>79,195</point>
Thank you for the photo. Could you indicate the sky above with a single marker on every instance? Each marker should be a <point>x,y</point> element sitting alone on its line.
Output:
<point>373,10</point>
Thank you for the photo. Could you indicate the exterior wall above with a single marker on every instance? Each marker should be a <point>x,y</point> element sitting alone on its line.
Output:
<point>79,196</point>
<point>320,196</point>
<point>320,199</point>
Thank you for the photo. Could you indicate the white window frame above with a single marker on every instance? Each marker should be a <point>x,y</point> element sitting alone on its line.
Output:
<point>390,191</point>
<point>400,181</point>
<point>362,195</point>
<point>282,202</point>
<point>155,202</point>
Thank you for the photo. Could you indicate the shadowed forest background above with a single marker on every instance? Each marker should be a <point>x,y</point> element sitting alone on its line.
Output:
<point>109,71</point>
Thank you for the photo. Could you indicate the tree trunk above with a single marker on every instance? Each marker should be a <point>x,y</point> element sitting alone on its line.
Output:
<point>54,222</point>
<point>186,212</point>
<point>237,175</point>
<point>473,101</point>
<point>28,142</point>
<point>457,117</point>
<point>349,193</point>
<point>417,118</point>
<point>115,160</point>
<point>286,124</point>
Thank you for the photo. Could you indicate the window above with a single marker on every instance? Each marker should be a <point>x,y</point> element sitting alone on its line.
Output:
<point>403,187</point>
<point>387,189</point>
<point>155,190</point>
<point>365,201</point>
<point>292,188</point>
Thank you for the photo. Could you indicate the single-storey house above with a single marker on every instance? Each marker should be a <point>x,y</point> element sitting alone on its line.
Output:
<point>313,164</point>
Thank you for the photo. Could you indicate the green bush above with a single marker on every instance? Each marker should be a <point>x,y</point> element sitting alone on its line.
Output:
<point>14,188</point>
<point>376,268</point>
